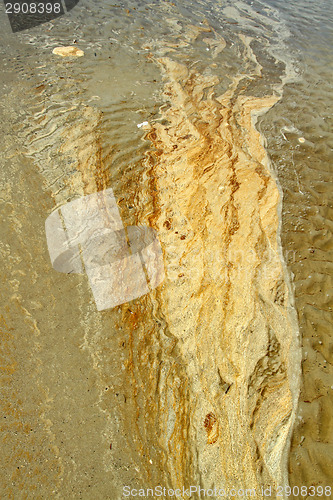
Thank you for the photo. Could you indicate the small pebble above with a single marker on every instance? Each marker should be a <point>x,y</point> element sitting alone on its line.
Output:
<point>68,51</point>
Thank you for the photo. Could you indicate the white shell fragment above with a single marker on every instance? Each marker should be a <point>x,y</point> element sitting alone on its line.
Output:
<point>121,263</point>
<point>68,51</point>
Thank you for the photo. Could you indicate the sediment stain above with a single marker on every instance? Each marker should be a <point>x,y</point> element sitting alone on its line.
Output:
<point>205,184</point>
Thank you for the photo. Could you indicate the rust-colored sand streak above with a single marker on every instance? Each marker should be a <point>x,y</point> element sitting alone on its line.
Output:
<point>202,374</point>
<point>216,208</point>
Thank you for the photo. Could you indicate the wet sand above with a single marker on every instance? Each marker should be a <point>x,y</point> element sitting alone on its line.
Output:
<point>148,393</point>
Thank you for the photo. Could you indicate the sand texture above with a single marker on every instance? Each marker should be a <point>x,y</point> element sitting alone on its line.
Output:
<point>194,384</point>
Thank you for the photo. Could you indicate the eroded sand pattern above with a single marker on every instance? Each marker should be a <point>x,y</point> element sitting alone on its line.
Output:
<point>197,382</point>
<point>68,52</point>
<point>217,214</point>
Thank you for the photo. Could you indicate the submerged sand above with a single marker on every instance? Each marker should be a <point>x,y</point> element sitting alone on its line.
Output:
<point>194,384</point>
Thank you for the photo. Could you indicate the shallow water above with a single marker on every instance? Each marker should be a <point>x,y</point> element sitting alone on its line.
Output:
<point>305,172</point>
<point>81,115</point>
